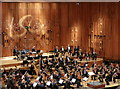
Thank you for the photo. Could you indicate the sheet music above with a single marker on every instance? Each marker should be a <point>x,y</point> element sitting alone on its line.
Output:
<point>35,84</point>
<point>85,78</point>
<point>60,81</point>
<point>48,83</point>
<point>73,80</point>
<point>91,73</point>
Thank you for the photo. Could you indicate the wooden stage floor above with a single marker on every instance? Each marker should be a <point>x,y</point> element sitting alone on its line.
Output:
<point>4,61</point>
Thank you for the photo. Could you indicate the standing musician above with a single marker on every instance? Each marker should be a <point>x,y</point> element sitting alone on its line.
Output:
<point>15,51</point>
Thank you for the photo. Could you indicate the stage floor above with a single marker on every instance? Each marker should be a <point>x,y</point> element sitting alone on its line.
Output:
<point>11,60</point>
<point>8,60</point>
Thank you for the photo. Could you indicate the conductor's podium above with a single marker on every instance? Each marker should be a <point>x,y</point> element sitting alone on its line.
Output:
<point>95,85</point>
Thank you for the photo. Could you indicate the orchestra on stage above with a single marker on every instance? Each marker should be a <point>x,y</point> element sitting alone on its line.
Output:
<point>61,69</point>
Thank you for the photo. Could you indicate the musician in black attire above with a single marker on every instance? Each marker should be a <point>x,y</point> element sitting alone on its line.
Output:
<point>108,78</point>
<point>56,49</point>
<point>116,75</point>
<point>14,52</point>
<point>94,55</point>
<point>69,50</point>
<point>54,85</point>
<point>62,50</point>
<point>85,73</point>
<point>76,49</point>
<point>67,85</point>
<point>95,71</point>
<point>33,49</point>
<point>80,55</point>
<point>41,85</point>
<point>10,83</point>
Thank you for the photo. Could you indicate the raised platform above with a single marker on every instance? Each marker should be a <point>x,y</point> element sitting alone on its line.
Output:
<point>6,62</point>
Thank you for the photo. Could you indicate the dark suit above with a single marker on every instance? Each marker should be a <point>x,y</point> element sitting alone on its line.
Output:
<point>10,83</point>
<point>62,50</point>
<point>56,50</point>
<point>67,85</point>
<point>80,56</point>
<point>33,49</point>
<point>94,55</point>
<point>14,52</point>
<point>84,73</point>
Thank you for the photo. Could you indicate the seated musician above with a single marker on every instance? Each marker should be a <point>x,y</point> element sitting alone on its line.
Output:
<point>33,49</point>
<point>94,55</point>
<point>78,79</point>
<point>101,75</point>
<point>87,56</point>
<point>75,79</point>
<point>68,85</point>
<point>116,75</point>
<point>118,67</point>
<point>10,82</point>
<point>95,71</point>
<point>69,50</point>
<point>76,49</point>
<point>54,84</point>
<point>56,75</point>
<point>56,49</point>
<point>80,55</point>
<point>61,62</point>
<point>45,61</point>
<point>41,85</point>
<point>62,49</point>
<point>67,60</point>
<point>108,78</point>
<point>61,82</point>
<point>94,65</point>
<point>86,65</point>
<point>25,61</point>
<point>85,73</point>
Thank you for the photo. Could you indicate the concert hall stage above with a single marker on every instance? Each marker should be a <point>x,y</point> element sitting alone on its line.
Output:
<point>11,61</point>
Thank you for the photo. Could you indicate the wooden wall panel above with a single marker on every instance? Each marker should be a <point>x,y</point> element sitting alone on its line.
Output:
<point>118,30</point>
<point>60,24</point>
<point>1,29</point>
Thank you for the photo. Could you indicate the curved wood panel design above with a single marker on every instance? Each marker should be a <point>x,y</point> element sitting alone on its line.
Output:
<point>88,25</point>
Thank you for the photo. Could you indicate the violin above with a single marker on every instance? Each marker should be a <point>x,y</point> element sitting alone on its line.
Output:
<point>78,75</point>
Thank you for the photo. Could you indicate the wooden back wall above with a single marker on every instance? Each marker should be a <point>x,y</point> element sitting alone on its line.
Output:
<point>45,25</point>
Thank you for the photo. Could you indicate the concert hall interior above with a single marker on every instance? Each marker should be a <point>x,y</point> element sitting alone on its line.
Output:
<point>59,45</point>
